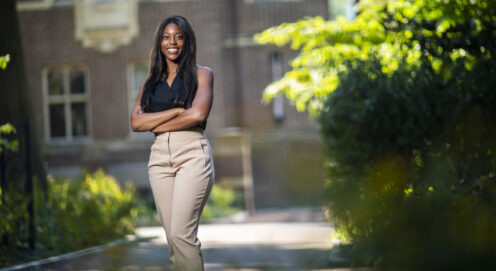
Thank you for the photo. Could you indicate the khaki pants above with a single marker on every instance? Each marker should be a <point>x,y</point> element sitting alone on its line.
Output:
<point>181,174</point>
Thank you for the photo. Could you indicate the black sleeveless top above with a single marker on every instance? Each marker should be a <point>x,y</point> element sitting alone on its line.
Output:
<point>164,97</point>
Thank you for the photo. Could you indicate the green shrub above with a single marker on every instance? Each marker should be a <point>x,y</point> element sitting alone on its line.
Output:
<point>83,212</point>
<point>13,205</point>
<point>13,226</point>
<point>404,96</point>
<point>412,173</point>
<point>146,213</point>
<point>75,214</point>
<point>222,202</point>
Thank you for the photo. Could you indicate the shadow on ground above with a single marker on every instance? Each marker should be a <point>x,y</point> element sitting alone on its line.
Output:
<point>293,239</point>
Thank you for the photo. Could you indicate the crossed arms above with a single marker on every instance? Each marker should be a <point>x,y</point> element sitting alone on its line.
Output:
<point>177,118</point>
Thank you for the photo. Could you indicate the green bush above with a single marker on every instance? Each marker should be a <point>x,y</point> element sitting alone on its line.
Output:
<point>83,212</point>
<point>146,213</point>
<point>222,202</point>
<point>74,214</point>
<point>13,226</point>
<point>412,170</point>
<point>404,96</point>
<point>13,205</point>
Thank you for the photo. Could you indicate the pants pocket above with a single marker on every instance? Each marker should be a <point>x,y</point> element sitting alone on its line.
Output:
<point>206,151</point>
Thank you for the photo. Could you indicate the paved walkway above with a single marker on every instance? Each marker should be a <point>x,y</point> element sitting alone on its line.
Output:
<point>292,239</point>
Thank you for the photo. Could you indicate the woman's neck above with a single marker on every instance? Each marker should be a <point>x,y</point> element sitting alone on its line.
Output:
<point>171,68</point>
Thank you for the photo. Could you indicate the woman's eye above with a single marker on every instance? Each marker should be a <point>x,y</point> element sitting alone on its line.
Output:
<point>179,37</point>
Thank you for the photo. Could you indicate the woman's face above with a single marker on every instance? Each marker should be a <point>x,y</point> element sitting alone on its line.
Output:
<point>172,42</point>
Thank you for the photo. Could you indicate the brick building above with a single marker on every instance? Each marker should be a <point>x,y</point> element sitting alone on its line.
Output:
<point>83,85</point>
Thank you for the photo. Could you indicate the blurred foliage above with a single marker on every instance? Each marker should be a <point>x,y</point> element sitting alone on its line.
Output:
<point>5,143</point>
<point>13,226</point>
<point>222,202</point>
<point>392,31</point>
<point>13,206</point>
<point>405,96</point>
<point>78,213</point>
<point>412,167</point>
<point>3,61</point>
<point>84,212</point>
<point>146,213</point>
<point>7,128</point>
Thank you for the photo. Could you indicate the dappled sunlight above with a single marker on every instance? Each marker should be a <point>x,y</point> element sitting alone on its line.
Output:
<point>404,33</point>
<point>366,140</point>
<point>404,99</point>
<point>277,234</point>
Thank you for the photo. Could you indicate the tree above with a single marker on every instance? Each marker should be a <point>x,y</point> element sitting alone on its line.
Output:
<point>404,97</point>
<point>15,101</point>
<point>15,108</point>
<point>390,31</point>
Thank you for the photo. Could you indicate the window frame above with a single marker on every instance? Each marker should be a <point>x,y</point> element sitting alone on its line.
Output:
<point>34,5</point>
<point>66,99</point>
<point>132,95</point>
<point>277,72</point>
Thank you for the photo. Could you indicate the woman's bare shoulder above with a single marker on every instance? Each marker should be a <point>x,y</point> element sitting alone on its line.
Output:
<point>204,71</point>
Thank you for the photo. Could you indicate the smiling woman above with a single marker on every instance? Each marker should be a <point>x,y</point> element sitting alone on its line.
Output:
<point>174,103</point>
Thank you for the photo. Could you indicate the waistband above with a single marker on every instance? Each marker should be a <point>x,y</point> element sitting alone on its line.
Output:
<point>192,129</point>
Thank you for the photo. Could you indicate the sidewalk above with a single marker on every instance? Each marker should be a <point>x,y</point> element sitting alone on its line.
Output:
<point>277,239</point>
<point>258,246</point>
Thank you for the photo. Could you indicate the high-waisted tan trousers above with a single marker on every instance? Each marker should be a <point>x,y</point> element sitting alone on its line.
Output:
<point>181,172</point>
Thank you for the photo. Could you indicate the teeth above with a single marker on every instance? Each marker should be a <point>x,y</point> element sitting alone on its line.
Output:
<point>173,50</point>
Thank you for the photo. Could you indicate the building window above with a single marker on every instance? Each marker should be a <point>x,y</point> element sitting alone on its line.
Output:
<point>277,101</point>
<point>66,103</point>
<point>23,5</point>
<point>137,73</point>
<point>30,1</point>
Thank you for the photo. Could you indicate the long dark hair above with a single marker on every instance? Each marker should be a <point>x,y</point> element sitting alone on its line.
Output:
<point>186,63</point>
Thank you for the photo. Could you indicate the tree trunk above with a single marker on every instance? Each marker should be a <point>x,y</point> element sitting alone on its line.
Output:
<point>15,99</point>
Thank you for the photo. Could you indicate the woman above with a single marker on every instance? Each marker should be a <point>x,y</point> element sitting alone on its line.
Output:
<point>174,103</point>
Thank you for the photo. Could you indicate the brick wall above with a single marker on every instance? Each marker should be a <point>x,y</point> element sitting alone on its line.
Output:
<point>242,70</point>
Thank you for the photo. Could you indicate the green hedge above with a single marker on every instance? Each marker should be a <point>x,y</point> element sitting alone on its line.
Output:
<point>222,202</point>
<point>13,227</point>
<point>405,98</point>
<point>412,170</point>
<point>84,212</point>
<point>77,213</point>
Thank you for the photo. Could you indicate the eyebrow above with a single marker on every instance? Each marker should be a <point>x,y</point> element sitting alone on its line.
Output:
<point>166,33</point>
